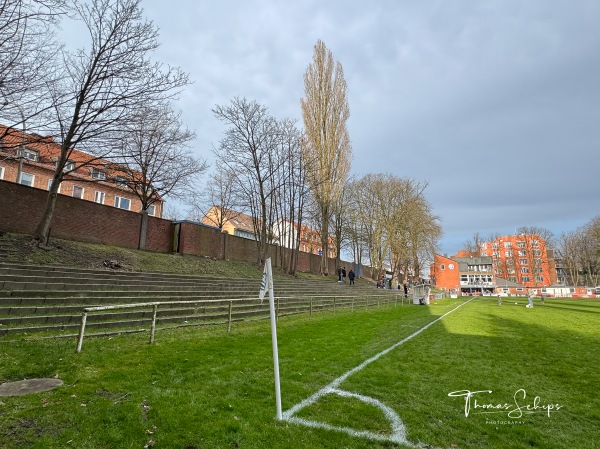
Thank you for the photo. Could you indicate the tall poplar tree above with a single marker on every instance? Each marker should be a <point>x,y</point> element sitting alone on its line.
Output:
<point>325,112</point>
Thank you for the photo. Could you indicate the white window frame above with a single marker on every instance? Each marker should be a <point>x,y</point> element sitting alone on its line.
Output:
<point>98,174</point>
<point>118,200</point>
<point>99,194</point>
<point>151,210</point>
<point>29,154</point>
<point>69,166</point>
<point>508,253</point>
<point>1,172</point>
<point>28,174</point>
<point>50,184</point>
<point>508,244</point>
<point>82,192</point>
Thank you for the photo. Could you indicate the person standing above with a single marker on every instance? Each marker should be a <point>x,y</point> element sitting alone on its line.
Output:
<point>499,299</point>
<point>344,275</point>
<point>351,277</point>
<point>530,298</point>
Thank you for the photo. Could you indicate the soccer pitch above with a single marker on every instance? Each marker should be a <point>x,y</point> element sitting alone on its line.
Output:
<point>455,374</point>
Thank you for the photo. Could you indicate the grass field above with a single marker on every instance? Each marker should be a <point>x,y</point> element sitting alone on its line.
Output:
<point>204,388</point>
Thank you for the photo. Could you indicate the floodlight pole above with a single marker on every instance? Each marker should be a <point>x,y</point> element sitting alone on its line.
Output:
<point>274,339</point>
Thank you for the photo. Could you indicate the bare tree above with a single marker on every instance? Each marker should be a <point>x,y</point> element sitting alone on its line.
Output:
<point>155,160</point>
<point>291,195</point>
<point>325,112</point>
<point>248,150</point>
<point>27,53</point>
<point>473,246</point>
<point>104,86</point>
<point>217,203</point>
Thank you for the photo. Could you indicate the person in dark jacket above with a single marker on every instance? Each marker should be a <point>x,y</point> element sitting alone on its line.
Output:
<point>351,277</point>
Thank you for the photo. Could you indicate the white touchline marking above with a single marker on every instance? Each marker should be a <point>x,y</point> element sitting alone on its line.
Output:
<point>398,434</point>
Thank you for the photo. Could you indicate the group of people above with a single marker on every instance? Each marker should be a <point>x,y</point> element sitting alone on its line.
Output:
<point>342,275</point>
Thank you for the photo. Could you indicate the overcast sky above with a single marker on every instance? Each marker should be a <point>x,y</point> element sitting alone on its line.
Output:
<point>494,103</point>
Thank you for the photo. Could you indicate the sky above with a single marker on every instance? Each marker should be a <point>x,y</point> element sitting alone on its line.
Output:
<point>494,104</point>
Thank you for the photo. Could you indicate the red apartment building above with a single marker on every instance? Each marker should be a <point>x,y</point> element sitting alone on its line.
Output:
<point>30,160</point>
<point>509,264</point>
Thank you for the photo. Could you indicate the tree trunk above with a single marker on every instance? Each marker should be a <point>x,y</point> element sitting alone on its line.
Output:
<point>42,232</point>
<point>324,245</point>
<point>143,229</point>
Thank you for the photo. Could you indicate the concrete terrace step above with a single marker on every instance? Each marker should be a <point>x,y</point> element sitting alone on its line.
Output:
<point>41,298</point>
<point>205,312</point>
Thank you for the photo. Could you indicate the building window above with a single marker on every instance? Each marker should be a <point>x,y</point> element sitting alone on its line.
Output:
<point>69,166</point>
<point>495,245</point>
<point>99,197</point>
<point>525,278</point>
<point>121,182</point>
<point>508,244</point>
<point>537,252</point>
<point>522,253</point>
<point>151,209</point>
<point>483,245</point>
<point>27,179</point>
<point>31,155</point>
<point>122,203</point>
<point>508,253</point>
<point>511,271</point>
<point>442,267</point>
<point>50,181</point>
<point>539,278</point>
<point>524,270</point>
<point>496,253</point>
<point>1,172</point>
<point>535,243</point>
<point>78,192</point>
<point>521,244</point>
<point>510,262</point>
<point>98,174</point>
<point>523,261</point>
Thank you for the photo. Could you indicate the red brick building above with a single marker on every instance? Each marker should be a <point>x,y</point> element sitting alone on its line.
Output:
<point>509,264</point>
<point>30,160</point>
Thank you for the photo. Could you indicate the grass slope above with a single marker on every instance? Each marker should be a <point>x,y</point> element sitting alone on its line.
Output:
<point>203,388</point>
<point>86,255</point>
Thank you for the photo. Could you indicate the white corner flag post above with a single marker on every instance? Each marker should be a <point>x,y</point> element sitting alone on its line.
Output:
<point>267,284</point>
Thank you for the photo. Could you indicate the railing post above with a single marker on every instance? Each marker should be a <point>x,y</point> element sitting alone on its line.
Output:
<point>81,331</point>
<point>153,328</point>
<point>229,316</point>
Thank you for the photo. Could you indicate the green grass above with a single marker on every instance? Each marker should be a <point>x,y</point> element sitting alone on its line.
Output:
<point>87,255</point>
<point>204,388</point>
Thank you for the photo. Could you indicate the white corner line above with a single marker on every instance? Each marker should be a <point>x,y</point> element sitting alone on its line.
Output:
<point>398,431</point>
